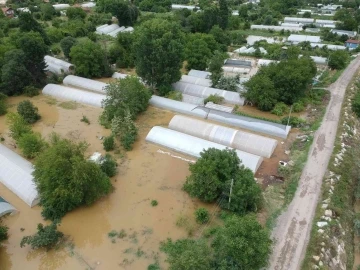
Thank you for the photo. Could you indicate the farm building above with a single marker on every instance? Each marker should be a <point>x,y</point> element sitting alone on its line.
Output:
<point>193,146</point>
<point>352,44</point>
<point>86,84</point>
<point>244,141</point>
<point>16,175</point>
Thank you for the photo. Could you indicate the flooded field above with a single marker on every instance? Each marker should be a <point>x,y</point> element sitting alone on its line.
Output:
<point>146,173</point>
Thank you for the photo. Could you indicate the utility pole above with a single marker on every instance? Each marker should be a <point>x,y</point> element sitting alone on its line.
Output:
<point>290,114</point>
<point>231,187</point>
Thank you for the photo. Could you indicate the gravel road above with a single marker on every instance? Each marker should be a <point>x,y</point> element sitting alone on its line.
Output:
<point>292,231</point>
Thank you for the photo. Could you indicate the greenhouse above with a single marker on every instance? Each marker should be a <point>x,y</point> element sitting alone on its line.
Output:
<point>106,29</point>
<point>57,66</point>
<point>199,74</point>
<point>243,122</point>
<point>204,92</point>
<point>116,31</point>
<point>276,28</point>
<point>212,105</point>
<point>73,94</point>
<point>298,20</point>
<point>196,80</point>
<point>86,84</point>
<point>193,146</point>
<point>16,175</point>
<point>118,75</point>
<point>192,99</point>
<point>244,141</point>
<point>6,208</point>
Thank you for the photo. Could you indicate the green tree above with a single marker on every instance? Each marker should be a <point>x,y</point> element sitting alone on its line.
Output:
<point>3,233</point>
<point>108,165</point>
<point>228,83</point>
<point>338,59</point>
<point>89,59</point>
<point>28,111</point>
<point>31,144</point>
<point>3,106</point>
<point>186,254</point>
<point>356,104</point>
<point>215,67</point>
<point>224,14</point>
<point>109,143</point>
<point>47,11</point>
<point>197,54</point>
<point>46,237</point>
<point>54,34</point>
<point>126,12</point>
<point>75,13</point>
<point>125,129</point>
<point>154,39</point>
<point>27,24</point>
<point>241,244</point>
<point>66,44</point>
<point>17,126</point>
<point>66,180</point>
<point>202,215</point>
<point>122,52</point>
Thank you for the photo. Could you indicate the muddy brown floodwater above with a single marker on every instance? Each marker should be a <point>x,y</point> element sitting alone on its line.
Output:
<point>145,174</point>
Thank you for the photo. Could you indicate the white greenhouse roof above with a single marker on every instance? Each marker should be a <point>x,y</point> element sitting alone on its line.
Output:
<point>325,21</point>
<point>84,83</point>
<point>265,62</point>
<point>301,38</point>
<point>277,28</point>
<point>292,24</point>
<point>212,105</point>
<point>343,32</point>
<point>204,92</point>
<point>319,60</point>
<point>6,207</point>
<point>252,39</point>
<point>106,29</point>
<point>89,5</point>
<point>199,74</point>
<point>116,31</point>
<point>174,6</point>
<point>61,6</point>
<point>329,46</point>
<point>243,122</point>
<point>244,141</point>
<point>298,20</point>
<point>193,146</point>
<point>192,99</point>
<point>57,66</point>
<point>118,75</point>
<point>16,175</point>
<point>196,80</point>
<point>73,94</point>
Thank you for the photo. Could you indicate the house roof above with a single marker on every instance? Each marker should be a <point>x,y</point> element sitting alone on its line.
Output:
<point>6,9</point>
<point>353,41</point>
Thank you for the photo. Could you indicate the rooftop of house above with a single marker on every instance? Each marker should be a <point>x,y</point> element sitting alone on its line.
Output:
<point>353,41</point>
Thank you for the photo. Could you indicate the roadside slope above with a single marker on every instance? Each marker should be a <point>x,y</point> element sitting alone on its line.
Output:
<point>293,227</point>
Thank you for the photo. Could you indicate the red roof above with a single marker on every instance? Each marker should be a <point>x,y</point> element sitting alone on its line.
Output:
<point>353,41</point>
<point>6,9</point>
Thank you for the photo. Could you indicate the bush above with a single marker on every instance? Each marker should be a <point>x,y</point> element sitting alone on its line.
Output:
<point>108,166</point>
<point>84,119</point>
<point>294,121</point>
<point>280,109</point>
<point>298,107</point>
<point>31,91</point>
<point>55,49</point>
<point>28,111</point>
<point>154,203</point>
<point>3,107</point>
<point>214,99</point>
<point>109,143</point>
<point>3,233</point>
<point>31,144</point>
<point>174,95</point>
<point>17,126</point>
<point>202,215</point>
<point>356,104</point>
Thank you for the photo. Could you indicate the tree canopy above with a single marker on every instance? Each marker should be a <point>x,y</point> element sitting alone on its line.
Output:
<point>338,59</point>
<point>125,11</point>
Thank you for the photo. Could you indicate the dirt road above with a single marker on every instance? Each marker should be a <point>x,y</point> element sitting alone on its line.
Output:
<point>291,235</point>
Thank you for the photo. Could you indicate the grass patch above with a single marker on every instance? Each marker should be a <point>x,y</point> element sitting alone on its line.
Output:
<point>185,223</point>
<point>84,119</point>
<point>273,197</point>
<point>68,105</point>
<point>258,117</point>
<point>51,101</point>
<point>328,77</point>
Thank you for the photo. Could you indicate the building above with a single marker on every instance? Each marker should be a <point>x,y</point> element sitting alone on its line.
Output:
<point>8,12</point>
<point>350,34</point>
<point>352,44</point>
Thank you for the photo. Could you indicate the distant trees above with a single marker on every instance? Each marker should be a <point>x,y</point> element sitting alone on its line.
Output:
<point>27,24</point>
<point>285,82</point>
<point>338,59</point>
<point>356,104</point>
<point>65,179</point>
<point>66,44</point>
<point>212,175</point>
<point>126,12</point>
<point>89,59</point>
<point>224,13</point>
<point>28,111</point>
<point>155,5</point>
<point>215,67</point>
<point>47,11</point>
<point>160,37</point>
<point>75,13</point>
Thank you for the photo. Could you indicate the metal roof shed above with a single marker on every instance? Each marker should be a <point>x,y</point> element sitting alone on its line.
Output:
<point>204,92</point>
<point>16,175</point>
<point>244,141</point>
<point>73,94</point>
<point>6,208</point>
<point>86,84</point>
<point>199,74</point>
<point>196,80</point>
<point>193,146</point>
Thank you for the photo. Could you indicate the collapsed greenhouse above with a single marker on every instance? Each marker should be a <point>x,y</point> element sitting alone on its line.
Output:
<point>204,92</point>
<point>16,175</point>
<point>57,66</point>
<point>261,126</point>
<point>244,141</point>
<point>73,94</point>
<point>6,207</point>
<point>193,146</point>
<point>192,99</point>
<point>86,84</point>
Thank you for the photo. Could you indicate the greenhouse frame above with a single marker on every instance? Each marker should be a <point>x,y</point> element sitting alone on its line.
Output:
<point>204,92</point>
<point>6,207</point>
<point>86,84</point>
<point>193,146</point>
<point>196,80</point>
<point>73,94</point>
<point>257,125</point>
<point>16,175</point>
<point>243,141</point>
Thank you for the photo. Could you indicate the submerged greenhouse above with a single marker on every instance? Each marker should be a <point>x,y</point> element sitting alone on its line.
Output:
<point>86,84</point>
<point>193,146</point>
<point>6,207</point>
<point>16,175</point>
<point>244,141</point>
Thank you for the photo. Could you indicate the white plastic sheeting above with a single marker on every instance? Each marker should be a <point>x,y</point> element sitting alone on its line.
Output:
<point>298,20</point>
<point>192,99</point>
<point>329,46</point>
<point>196,80</point>
<point>199,74</point>
<point>265,62</point>
<point>174,6</point>
<point>118,75</point>
<point>6,207</point>
<point>106,29</point>
<point>344,32</point>
<point>302,38</point>
<point>73,94</point>
<point>244,141</point>
<point>83,83</point>
<point>319,60</point>
<point>88,5</point>
<point>243,122</point>
<point>61,6</point>
<point>276,28</point>
<point>57,66</point>
<point>252,39</point>
<point>193,146</point>
<point>203,91</point>
<point>116,31</point>
<point>16,175</point>
<point>218,107</point>
<point>53,68</point>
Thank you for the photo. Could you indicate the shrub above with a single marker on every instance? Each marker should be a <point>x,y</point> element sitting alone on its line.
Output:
<point>31,91</point>
<point>154,203</point>
<point>55,49</point>
<point>293,121</point>
<point>31,144</point>
<point>3,233</point>
<point>84,119</point>
<point>356,104</point>
<point>280,109</point>
<point>214,98</point>
<point>108,166</point>
<point>17,126</point>
<point>202,215</point>
<point>175,95</point>
<point>28,111</point>
<point>3,107</point>
<point>298,107</point>
<point>109,143</point>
